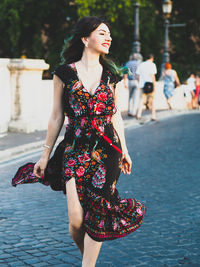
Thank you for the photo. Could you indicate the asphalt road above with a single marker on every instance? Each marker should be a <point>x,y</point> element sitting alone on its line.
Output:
<point>166,178</point>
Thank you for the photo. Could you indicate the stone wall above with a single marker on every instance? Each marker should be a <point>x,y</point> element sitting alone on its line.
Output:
<point>26,100</point>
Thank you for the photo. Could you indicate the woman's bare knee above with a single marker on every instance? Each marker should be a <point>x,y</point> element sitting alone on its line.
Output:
<point>75,220</point>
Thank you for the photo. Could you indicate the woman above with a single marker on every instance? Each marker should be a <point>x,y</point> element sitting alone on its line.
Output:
<point>191,82</point>
<point>197,91</point>
<point>170,78</point>
<point>87,163</point>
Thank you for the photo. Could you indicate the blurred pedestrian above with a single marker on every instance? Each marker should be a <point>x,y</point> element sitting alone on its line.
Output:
<point>146,72</point>
<point>86,165</point>
<point>197,93</point>
<point>171,81</point>
<point>191,81</point>
<point>187,95</point>
<point>134,92</point>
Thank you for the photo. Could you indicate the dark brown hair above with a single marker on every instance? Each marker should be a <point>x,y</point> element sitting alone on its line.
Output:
<point>73,47</point>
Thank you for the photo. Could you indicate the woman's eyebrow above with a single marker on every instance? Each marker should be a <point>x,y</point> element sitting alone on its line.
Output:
<point>103,31</point>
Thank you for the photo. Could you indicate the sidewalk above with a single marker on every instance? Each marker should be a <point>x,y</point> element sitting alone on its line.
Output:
<point>13,145</point>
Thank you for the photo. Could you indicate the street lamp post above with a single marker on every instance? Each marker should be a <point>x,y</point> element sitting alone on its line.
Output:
<point>166,56</point>
<point>136,42</point>
<point>167,8</point>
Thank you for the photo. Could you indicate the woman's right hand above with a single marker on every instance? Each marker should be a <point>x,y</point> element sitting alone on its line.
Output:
<point>40,167</point>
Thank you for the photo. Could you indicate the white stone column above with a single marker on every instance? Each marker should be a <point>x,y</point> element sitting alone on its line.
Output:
<point>27,95</point>
<point>5,112</point>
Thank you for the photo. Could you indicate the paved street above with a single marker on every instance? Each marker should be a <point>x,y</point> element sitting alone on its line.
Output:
<point>34,223</point>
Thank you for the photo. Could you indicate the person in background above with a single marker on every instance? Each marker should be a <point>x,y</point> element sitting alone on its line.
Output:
<point>146,72</point>
<point>191,81</point>
<point>197,92</point>
<point>187,95</point>
<point>131,82</point>
<point>171,81</point>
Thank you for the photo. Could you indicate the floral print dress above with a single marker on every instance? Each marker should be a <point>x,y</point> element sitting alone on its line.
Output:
<point>85,155</point>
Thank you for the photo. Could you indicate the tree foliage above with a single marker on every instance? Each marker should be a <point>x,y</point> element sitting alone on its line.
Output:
<point>37,29</point>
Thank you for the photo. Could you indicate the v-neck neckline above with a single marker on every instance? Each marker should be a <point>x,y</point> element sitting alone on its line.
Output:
<point>73,67</point>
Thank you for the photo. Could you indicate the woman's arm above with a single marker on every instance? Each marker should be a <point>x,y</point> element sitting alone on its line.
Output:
<point>119,127</point>
<point>126,80</point>
<point>54,126</point>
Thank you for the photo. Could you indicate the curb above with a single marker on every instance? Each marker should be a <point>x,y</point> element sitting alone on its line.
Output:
<point>13,153</point>
<point>17,151</point>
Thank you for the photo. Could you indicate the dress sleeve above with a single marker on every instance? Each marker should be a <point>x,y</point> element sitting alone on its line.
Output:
<point>60,71</point>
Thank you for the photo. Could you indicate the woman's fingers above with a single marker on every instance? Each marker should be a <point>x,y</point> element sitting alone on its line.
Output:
<point>37,171</point>
<point>126,165</point>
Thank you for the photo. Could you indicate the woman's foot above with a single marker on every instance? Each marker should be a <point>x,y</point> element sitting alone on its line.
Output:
<point>138,117</point>
<point>131,115</point>
<point>154,119</point>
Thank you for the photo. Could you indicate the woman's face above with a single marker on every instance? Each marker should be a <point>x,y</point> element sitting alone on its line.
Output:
<point>100,39</point>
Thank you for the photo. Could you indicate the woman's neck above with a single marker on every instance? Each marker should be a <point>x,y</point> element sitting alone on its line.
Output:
<point>90,60</point>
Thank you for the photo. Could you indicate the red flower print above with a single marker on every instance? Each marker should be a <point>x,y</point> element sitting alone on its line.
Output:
<point>114,110</point>
<point>68,172</point>
<point>100,107</point>
<point>90,103</point>
<point>101,224</point>
<point>102,96</point>
<point>81,159</point>
<point>123,222</point>
<point>86,157</point>
<point>101,128</point>
<point>82,122</point>
<point>71,162</point>
<point>108,119</point>
<point>80,171</point>
<point>87,215</point>
<point>139,211</point>
<point>123,200</point>
<point>78,131</point>
<point>115,226</point>
<point>108,205</point>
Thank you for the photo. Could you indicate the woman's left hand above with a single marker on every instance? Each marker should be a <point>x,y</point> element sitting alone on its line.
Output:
<point>126,163</point>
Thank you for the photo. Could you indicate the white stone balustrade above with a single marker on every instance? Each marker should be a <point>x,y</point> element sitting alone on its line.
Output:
<point>26,100</point>
<point>5,101</point>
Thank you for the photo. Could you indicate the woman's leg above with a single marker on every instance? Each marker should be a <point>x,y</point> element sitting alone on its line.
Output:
<point>169,103</point>
<point>91,251</point>
<point>143,99</point>
<point>75,213</point>
<point>153,109</point>
<point>130,101</point>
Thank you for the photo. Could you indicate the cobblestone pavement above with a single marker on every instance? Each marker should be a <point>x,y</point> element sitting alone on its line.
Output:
<point>34,223</point>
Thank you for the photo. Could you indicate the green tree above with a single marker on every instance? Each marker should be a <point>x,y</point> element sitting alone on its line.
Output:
<point>35,29</point>
<point>120,14</point>
<point>38,29</point>
<point>185,41</point>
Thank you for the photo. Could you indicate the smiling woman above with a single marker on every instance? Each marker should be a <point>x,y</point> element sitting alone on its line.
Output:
<point>87,163</point>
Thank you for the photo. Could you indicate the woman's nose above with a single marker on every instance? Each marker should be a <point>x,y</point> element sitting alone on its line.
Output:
<point>108,38</point>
